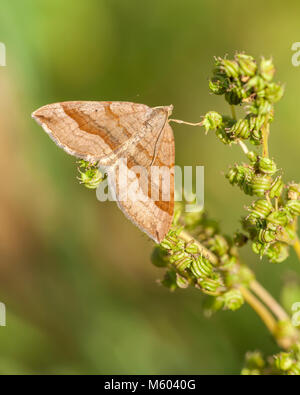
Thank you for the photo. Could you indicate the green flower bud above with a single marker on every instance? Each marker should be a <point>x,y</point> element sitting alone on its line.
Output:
<point>247,64</point>
<point>230,67</point>
<point>293,207</point>
<point>211,286</point>
<point>168,243</point>
<point>266,236</point>
<point>283,361</point>
<point>252,122</point>
<point>259,248</point>
<point>159,257</point>
<point>267,166</point>
<point>218,85</point>
<point>223,136</point>
<point>218,245</point>
<point>181,260</point>
<point>181,281</point>
<point>277,252</point>
<point>259,121</point>
<point>201,267</point>
<point>212,120</point>
<point>252,156</point>
<point>253,220</point>
<point>234,96</point>
<point>254,360</point>
<point>191,248</point>
<point>267,69</point>
<point>242,176</point>
<point>256,137</point>
<point>276,188</point>
<point>233,299</point>
<point>241,129</point>
<point>294,370</point>
<point>261,184</point>
<point>256,84</point>
<point>177,256</point>
<point>261,208</point>
<point>294,191</point>
<point>263,107</point>
<point>277,218</point>
<point>83,164</point>
<point>91,176</point>
<point>256,123</point>
<point>274,92</point>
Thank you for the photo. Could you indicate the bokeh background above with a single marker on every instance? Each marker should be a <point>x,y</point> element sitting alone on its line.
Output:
<point>75,275</point>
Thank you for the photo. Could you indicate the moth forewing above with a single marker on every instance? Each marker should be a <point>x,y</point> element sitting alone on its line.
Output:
<point>107,132</point>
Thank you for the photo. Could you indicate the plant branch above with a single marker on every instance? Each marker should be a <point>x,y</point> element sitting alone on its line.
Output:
<point>186,123</point>
<point>233,112</point>
<point>260,309</point>
<point>263,310</point>
<point>243,146</point>
<point>269,301</point>
<point>265,138</point>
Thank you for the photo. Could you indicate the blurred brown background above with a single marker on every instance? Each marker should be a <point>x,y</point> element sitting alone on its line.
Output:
<point>75,275</point>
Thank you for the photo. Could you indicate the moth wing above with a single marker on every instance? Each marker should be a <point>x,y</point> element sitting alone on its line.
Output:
<point>109,131</point>
<point>146,196</point>
<point>92,130</point>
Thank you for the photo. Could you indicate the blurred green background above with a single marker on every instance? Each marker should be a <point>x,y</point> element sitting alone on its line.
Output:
<point>75,275</point>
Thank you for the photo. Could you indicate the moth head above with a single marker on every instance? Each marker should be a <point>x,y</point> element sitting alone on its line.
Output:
<point>164,109</point>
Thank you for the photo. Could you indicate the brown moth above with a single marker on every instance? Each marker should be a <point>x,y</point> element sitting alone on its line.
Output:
<point>105,132</point>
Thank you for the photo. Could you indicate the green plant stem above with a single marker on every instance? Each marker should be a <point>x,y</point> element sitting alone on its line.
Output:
<point>269,301</point>
<point>265,138</point>
<point>243,146</point>
<point>256,304</point>
<point>260,309</point>
<point>276,203</point>
<point>233,112</point>
<point>186,123</point>
<point>296,246</point>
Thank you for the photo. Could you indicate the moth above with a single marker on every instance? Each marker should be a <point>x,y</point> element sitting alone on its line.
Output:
<point>105,132</point>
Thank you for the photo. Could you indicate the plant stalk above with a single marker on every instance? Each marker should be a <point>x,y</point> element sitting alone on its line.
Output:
<point>296,246</point>
<point>265,138</point>
<point>233,112</point>
<point>260,309</point>
<point>269,301</point>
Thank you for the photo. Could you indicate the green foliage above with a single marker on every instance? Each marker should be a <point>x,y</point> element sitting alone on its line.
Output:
<point>189,264</point>
<point>213,265</point>
<point>283,363</point>
<point>90,176</point>
<point>271,224</point>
